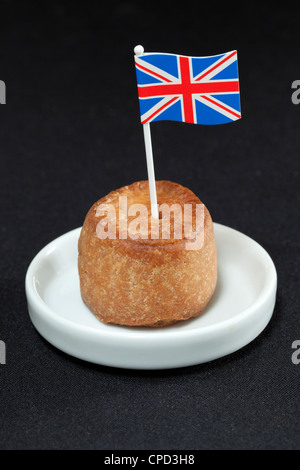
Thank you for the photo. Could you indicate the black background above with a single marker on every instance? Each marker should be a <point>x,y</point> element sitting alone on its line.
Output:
<point>70,133</point>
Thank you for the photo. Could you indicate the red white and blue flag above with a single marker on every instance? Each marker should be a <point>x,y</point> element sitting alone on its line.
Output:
<point>198,90</point>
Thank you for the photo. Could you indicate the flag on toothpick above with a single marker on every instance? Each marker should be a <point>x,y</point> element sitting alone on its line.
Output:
<point>198,90</point>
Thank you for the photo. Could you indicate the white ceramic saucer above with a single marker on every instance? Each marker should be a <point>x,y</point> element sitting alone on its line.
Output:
<point>240,309</point>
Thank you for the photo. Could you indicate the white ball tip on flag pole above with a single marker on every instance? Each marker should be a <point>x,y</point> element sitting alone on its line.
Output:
<point>139,50</point>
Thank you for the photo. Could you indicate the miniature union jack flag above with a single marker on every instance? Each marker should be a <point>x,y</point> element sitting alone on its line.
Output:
<point>198,90</point>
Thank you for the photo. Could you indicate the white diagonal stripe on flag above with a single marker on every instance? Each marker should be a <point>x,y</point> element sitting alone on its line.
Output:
<point>154,71</point>
<point>217,66</point>
<point>219,106</point>
<point>159,107</point>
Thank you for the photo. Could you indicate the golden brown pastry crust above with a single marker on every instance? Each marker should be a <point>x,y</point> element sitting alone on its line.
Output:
<point>146,282</point>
